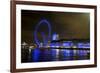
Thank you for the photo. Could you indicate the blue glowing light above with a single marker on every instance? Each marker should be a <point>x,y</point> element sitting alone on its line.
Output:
<point>45,40</point>
<point>55,45</point>
<point>35,55</point>
<point>55,36</point>
<point>83,45</point>
<point>82,52</point>
<point>67,44</point>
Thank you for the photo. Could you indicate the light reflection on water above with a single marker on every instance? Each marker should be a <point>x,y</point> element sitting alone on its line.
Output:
<point>43,55</point>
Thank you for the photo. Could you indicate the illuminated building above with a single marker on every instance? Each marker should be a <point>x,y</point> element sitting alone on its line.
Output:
<point>55,36</point>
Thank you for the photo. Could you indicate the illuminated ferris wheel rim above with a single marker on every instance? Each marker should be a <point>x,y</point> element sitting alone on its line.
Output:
<point>36,31</point>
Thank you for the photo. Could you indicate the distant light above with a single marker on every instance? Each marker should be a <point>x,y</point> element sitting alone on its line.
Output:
<point>24,43</point>
<point>67,44</point>
<point>74,46</point>
<point>83,45</point>
<point>31,47</point>
<point>55,36</point>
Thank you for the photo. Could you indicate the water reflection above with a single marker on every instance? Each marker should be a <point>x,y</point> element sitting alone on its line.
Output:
<point>44,55</point>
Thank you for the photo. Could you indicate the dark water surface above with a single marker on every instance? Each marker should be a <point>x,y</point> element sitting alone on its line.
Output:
<point>46,55</point>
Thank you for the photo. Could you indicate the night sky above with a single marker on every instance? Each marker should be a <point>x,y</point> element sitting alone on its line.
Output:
<point>67,24</point>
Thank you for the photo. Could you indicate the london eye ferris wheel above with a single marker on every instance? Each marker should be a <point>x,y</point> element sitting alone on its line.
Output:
<point>42,33</point>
